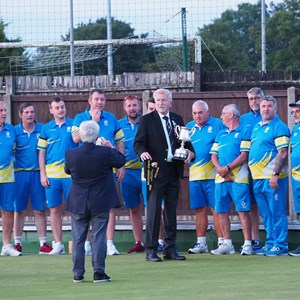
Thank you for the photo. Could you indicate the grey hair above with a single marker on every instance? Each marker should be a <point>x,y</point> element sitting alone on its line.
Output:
<point>234,109</point>
<point>256,91</point>
<point>270,99</point>
<point>163,91</point>
<point>88,131</point>
<point>202,103</point>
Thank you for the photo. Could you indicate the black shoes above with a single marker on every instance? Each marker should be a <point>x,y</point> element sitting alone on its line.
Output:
<point>173,256</point>
<point>101,277</point>
<point>78,279</point>
<point>153,257</point>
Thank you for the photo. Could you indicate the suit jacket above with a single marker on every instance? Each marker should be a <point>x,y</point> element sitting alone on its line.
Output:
<point>93,187</point>
<point>151,138</point>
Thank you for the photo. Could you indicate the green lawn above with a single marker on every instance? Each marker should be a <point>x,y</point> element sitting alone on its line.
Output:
<point>199,277</point>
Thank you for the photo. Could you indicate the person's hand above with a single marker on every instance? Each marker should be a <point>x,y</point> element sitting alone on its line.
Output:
<point>274,182</point>
<point>45,181</point>
<point>145,156</point>
<point>190,156</point>
<point>95,114</point>
<point>120,173</point>
<point>103,142</point>
<point>224,172</point>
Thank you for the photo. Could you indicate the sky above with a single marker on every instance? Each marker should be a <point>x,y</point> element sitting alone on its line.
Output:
<point>36,21</point>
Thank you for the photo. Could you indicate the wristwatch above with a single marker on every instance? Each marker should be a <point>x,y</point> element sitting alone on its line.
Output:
<point>275,174</point>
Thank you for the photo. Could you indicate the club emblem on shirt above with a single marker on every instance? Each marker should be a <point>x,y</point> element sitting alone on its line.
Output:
<point>236,135</point>
<point>69,128</point>
<point>209,129</point>
<point>8,134</point>
<point>37,135</point>
<point>266,130</point>
<point>174,123</point>
<point>105,123</point>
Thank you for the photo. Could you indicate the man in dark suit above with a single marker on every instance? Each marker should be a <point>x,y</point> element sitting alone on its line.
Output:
<point>93,193</point>
<point>154,144</point>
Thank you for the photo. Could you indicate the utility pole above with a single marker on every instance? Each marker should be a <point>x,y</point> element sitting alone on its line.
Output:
<point>71,40</point>
<point>110,68</point>
<point>185,59</point>
<point>263,37</point>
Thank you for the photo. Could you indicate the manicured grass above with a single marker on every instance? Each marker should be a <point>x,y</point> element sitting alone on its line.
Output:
<point>199,277</point>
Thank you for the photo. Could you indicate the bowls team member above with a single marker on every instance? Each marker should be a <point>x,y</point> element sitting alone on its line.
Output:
<point>230,157</point>
<point>131,185</point>
<point>255,95</point>
<point>27,176</point>
<point>203,173</point>
<point>7,182</point>
<point>268,164</point>
<point>111,131</point>
<point>295,162</point>
<point>55,139</point>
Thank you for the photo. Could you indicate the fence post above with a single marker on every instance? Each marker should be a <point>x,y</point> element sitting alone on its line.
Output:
<point>291,98</point>
<point>198,77</point>
<point>145,98</point>
<point>7,97</point>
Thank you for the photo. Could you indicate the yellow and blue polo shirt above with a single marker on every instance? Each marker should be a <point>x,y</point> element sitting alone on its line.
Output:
<point>202,140</point>
<point>266,139</point>
<point>7,146</point>
<point>228,146</point>
<point>56,140</point>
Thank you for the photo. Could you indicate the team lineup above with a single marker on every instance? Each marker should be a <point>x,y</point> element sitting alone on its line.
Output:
<point>238,158</point>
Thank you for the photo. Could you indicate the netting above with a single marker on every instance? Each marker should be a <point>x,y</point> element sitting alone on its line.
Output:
<point>55,60</point>
<point>39,26</point>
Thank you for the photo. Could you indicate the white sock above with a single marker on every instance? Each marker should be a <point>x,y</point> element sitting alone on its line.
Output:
<point>247,243</point>
<point>18,240</point>
<point>110,242</point>
<point>160,241</point>
<point>228,242</point>
<point>201,239</point>
<point>220,240</point>
<point>43,240</point>
<point>87,244</point>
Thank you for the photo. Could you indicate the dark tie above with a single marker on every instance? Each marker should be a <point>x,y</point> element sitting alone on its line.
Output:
<point>170,133</point>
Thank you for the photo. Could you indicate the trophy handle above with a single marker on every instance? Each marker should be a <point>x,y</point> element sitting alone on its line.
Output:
<point>177,130</point>
<point>192,132</point>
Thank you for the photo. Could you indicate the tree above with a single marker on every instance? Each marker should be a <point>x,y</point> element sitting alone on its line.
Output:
<point>283,35</point>
<point>235,38</point>
<point>6,53</point>
<point>126,58</point>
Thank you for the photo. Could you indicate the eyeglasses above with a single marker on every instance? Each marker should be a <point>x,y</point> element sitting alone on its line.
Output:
<point>293,112</point>
<point>130,97</point>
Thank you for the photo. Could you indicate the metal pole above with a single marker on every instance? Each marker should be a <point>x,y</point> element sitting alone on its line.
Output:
<point>184,41</point>
<point>71,40</point>
<point>263,37</point>
<point>110,67</point>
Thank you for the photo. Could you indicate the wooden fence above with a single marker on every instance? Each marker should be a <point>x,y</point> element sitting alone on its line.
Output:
<point>76,101</point>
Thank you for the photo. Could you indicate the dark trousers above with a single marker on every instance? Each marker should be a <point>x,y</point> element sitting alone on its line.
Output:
<point>80,225</point>
<point>165,186</point>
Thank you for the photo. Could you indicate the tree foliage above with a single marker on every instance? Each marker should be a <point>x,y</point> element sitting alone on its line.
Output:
<point>6,53</point>
<point>134,58</point>
<point>235,38</point>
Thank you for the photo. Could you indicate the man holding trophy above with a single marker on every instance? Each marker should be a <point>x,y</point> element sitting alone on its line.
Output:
<point>156,144</point>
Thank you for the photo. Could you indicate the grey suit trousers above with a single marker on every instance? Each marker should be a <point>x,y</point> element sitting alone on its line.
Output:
<point>80,226</point>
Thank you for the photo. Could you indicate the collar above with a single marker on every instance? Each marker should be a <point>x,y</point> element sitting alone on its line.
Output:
<point>167,115</point>
<point>270,122</point>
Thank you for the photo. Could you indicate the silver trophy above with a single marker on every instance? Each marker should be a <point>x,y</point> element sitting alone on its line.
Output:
<point>184,134</point>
